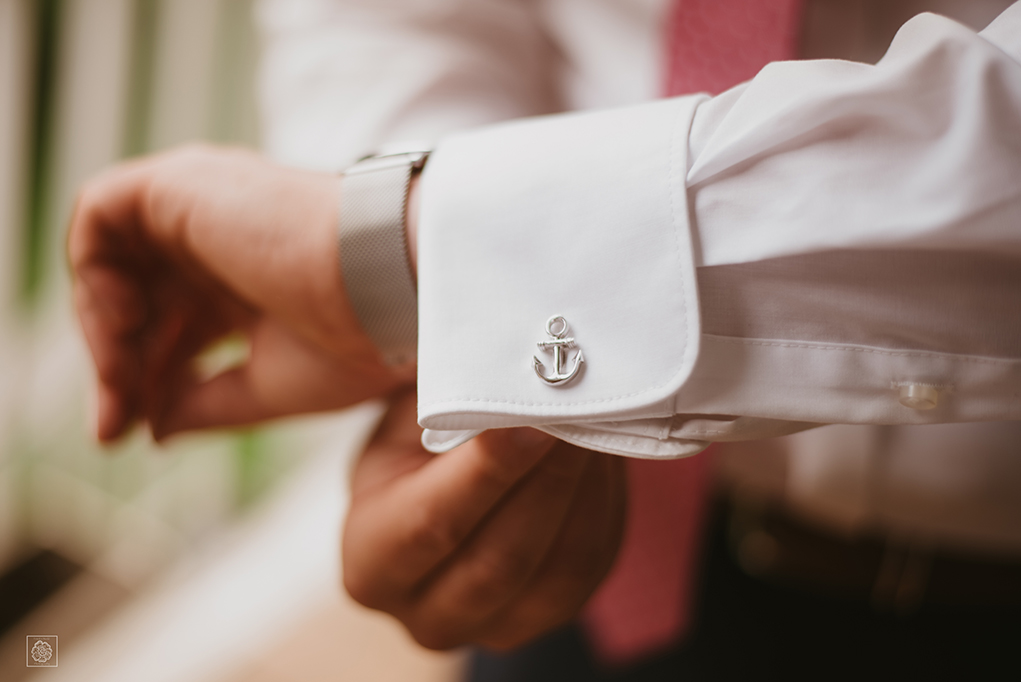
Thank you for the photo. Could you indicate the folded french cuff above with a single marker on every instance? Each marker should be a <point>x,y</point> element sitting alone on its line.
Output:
<point>582,216</point>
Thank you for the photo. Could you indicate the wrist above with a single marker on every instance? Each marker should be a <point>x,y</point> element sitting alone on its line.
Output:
<point>337,326</point>
<point>377,246</point>
<point>340,330</point>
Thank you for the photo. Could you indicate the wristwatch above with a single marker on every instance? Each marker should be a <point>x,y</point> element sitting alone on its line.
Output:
<point>374,258</point>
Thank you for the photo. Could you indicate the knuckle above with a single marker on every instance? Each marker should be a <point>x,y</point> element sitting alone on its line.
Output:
<point>360,571</point>
<point>501,470</point>
<point>434,633</point>
<point>505,642</point>
<point>363,588</point>
<point>495,574</point>
<point>88,196</point>
<point>85,204</point>
<point>536,614</point>
<point>109,369</point>
<point>117,369</point>
<point>430,535</point>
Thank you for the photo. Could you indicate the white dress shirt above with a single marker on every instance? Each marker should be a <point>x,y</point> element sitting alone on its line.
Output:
<point>908,171</point>
<point>822,245</point>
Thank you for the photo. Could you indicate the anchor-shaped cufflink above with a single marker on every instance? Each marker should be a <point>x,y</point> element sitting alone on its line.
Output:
<point>557,327</point>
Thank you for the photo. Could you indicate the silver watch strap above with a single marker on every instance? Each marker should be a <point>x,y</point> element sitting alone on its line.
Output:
<point>374,257</point>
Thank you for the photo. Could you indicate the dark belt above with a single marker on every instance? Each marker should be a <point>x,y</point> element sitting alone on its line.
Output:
<point>896,576</point>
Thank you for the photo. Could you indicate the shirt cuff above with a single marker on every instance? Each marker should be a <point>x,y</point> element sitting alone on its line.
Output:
<point>583,216</point>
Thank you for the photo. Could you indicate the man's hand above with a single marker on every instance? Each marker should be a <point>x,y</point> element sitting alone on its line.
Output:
<point>173,252</point>
<point>493,543</point>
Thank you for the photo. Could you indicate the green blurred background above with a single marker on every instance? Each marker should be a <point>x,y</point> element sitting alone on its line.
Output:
<point>216,557</point>
<point>84,83</point>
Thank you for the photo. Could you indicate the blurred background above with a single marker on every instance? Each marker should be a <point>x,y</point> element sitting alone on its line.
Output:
<point>214,558</point>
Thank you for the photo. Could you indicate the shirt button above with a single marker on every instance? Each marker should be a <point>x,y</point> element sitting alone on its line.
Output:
<point>919,397</point>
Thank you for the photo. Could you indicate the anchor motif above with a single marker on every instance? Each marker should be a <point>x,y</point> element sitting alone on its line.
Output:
<point>558,343</point>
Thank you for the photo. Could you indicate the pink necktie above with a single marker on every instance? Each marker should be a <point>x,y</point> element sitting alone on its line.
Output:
<point>713,45</point>
<point>644,605</point>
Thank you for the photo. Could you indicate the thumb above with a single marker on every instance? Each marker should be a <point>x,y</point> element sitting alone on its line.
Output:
<point>227,399</point>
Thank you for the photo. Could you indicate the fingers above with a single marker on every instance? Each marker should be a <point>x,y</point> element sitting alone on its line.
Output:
<point>495,542</point>
<point>396,534</point>
<point>131,303</point>
<point>227,399</point>
<point>578,560</point>
<point>207,235</point>
<point>501,557</point>
<point>395,451</point>
<point>111,313</point>
<point>284,374</point>
<point>107,222</point>
<point>103,254</point>
<point>143,336</point>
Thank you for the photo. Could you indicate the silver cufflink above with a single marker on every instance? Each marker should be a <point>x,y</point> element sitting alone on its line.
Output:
<point>559,343</point>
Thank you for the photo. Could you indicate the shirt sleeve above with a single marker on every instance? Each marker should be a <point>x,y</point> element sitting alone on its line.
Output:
<point>831,242</point>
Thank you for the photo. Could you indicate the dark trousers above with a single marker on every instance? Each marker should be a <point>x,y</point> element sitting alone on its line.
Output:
<point>748,629</point>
